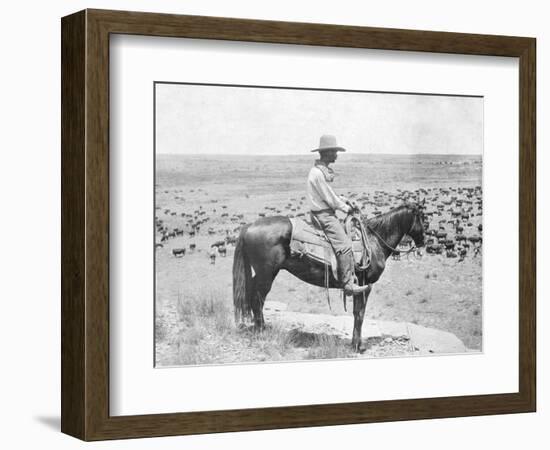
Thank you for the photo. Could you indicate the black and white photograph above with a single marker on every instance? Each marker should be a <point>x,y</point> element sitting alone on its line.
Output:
<point>300,224</point>
<point>255,225</point>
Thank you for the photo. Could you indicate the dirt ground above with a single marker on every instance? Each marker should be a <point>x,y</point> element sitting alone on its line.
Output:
<point>194,312</point>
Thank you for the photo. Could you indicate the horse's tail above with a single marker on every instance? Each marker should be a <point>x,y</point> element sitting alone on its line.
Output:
<point>242,281</point>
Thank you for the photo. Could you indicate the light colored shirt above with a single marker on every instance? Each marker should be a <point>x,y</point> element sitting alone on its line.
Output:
<point>320,195</point>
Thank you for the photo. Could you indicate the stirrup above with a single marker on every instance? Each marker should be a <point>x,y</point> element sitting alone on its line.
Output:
<point>356,289</point>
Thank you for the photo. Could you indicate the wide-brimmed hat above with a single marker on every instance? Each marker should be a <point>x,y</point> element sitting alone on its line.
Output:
<point>328,142</point>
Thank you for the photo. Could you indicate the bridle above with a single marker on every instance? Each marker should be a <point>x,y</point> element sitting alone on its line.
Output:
<point>395,250</point>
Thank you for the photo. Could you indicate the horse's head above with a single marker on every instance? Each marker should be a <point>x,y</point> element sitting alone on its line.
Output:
<point>416,231</point>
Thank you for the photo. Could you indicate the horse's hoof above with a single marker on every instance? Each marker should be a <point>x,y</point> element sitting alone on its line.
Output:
<point>358,348</point>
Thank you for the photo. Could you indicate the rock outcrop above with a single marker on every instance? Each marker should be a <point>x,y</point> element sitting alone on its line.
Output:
<point>412,338</point>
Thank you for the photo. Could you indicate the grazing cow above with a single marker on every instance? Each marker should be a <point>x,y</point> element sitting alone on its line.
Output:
<point>178,252</point>
<point>231,240</point>
<point>475,239</point>
<point>449,244</point>
<point>451,254</point>
<point>434,249</point>
<point>217,244</point>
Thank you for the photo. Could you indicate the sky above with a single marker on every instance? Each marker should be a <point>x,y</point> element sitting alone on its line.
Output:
<point>196,119</point>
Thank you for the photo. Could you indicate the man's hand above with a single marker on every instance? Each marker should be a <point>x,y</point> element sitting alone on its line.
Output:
<point>354,206</point>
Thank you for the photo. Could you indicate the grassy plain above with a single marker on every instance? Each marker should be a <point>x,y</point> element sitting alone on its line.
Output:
<point>194,312</point>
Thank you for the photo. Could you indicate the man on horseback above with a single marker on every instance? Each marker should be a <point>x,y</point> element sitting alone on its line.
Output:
<point>323,203</point>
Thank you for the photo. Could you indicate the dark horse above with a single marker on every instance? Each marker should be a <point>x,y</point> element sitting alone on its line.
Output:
<point>265,246</point>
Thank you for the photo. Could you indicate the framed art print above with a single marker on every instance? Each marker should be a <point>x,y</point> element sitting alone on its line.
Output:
<point>271,224</point>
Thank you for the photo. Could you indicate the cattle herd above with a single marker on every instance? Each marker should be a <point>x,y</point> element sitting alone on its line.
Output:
<point>452,216</point>
<point>189,224</point>
<point>452,220</point>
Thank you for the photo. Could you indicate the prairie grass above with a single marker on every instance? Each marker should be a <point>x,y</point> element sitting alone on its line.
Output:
<point>207,333</point>
<point>273,342</point>
<point>160,330</point>
<point>328,347</point>
<point>202,315</point>
<point>209,309</point>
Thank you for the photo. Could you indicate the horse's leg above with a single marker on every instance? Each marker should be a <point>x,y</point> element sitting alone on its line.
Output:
<point>359,308</point>
<point>267,243</point>
<point>262,286</point>
<point>257,305</point>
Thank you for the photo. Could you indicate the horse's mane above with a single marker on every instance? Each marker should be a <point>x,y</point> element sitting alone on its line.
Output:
<point>383,221</point>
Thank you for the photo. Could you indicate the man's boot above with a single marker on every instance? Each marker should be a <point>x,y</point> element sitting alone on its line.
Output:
<point>346,274</point>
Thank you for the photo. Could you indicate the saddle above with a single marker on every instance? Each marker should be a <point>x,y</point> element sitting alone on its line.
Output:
<point>308,240</point>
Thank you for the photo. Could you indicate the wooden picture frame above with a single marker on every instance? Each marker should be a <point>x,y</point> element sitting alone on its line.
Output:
<point>85,224</point>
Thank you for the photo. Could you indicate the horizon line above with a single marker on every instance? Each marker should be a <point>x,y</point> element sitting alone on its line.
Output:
<point>306,154</point>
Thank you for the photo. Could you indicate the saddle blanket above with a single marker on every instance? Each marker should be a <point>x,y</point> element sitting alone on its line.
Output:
<point>312,242</point>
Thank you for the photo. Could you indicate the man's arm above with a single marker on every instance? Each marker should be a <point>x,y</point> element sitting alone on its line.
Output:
<point>327,193</point>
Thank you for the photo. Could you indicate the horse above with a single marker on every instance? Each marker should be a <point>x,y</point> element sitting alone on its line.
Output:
<point>264,246</point>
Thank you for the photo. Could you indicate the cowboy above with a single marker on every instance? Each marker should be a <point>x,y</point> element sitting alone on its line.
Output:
<point>323,203</point>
